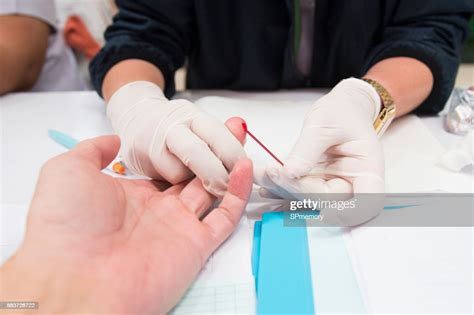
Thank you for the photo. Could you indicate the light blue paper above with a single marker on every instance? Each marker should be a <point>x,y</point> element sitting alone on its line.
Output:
<point>257,232</point>
<point>334,282</point>
<point>284,271</point>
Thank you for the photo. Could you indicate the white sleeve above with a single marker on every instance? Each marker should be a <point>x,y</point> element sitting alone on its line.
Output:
<point>42,9</point>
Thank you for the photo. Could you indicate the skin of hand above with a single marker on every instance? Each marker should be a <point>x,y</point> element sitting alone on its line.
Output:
<point>97,244</point>
<point>23,45</point>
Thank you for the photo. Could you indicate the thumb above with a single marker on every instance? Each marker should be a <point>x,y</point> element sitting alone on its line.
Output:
<point>235,125</point>
<point>312,143</point>
<point>99,151</point>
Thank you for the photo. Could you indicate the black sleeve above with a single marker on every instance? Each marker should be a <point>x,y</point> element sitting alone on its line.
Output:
<point>157,31</point>
<point>431,31</point>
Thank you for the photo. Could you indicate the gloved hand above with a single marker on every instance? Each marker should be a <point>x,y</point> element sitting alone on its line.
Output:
<point>337,152</point>
<point>172,140</point>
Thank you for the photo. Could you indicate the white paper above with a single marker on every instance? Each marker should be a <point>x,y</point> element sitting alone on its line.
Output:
<point>226,284</point>
<point>416,270</point>
<point>411,161</point>
<point>235,298</point>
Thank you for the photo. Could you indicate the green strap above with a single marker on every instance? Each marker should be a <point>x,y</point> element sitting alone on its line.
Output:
<point>296,26</point>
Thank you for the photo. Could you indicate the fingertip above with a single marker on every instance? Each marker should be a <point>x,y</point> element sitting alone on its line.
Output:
<point>236,126</point>
<point>113,139</point>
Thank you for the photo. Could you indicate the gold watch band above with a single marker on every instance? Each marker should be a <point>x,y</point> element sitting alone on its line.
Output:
<point>387,112</point>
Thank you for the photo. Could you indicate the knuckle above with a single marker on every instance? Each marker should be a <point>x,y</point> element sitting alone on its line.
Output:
<point>215,185</point>
<point>191,146</point>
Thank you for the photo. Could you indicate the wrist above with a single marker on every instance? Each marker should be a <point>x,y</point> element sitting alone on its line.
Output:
<point>135,91</point>
<point>127,96</point>
<point>49,285</point>
<point>363,94</point>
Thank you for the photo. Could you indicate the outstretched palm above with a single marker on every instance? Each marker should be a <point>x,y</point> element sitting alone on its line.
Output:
<point>131,244</point>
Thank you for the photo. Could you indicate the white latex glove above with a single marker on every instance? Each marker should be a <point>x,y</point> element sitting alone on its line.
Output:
<point>337,152</point>
<point>172,140</point>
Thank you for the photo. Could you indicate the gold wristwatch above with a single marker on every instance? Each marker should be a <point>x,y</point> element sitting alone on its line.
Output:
<point>387,111</point>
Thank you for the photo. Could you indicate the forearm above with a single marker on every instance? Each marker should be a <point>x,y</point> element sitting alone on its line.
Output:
<point>129,71</point>
<point>408,80</point>
<point>23,45</point>
<point>14,73</point>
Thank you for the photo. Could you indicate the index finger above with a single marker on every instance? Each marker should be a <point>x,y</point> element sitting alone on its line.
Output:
<point>222,221</point>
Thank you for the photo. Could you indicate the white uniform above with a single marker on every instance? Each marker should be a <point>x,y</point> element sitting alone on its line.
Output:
<point>60,72</point>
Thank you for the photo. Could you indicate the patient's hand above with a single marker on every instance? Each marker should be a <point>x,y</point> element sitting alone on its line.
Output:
<point>95,243</point>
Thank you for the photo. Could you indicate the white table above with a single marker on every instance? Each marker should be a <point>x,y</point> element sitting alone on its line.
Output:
<point>25,146</point>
